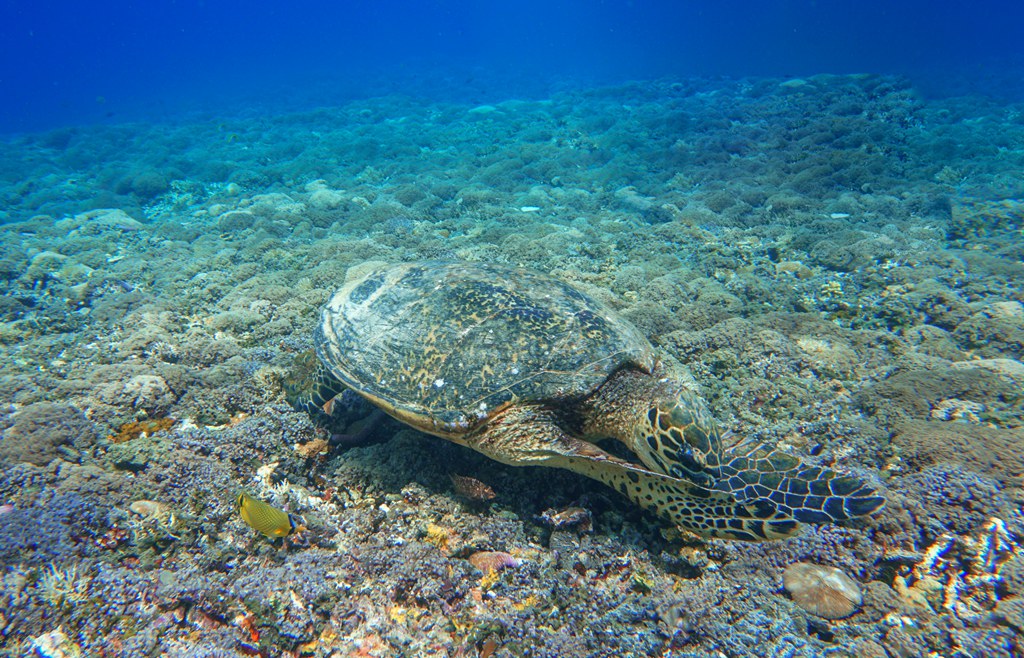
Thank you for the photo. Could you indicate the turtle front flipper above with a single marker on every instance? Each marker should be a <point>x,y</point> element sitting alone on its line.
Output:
<point>809,494</point>
<point>703,511</point>
<point>530,436</point>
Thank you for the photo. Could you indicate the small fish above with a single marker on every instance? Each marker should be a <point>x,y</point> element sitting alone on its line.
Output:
<point>471,488</point>
<point>265,518</point>
<point>492,560</point>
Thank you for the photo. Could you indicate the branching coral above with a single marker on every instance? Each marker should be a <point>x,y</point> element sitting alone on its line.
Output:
<point>960,573</point>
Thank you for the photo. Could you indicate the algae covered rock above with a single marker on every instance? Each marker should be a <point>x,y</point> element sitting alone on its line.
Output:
<point>143,393</point>
<point>40,430</point>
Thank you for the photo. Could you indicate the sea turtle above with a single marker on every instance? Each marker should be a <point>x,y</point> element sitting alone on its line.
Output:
<point>529,370</point>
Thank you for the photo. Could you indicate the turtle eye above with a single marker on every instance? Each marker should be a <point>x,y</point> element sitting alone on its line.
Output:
<point>693,425</point>
<point>687,438</point>
<point>684,430</point>
<point>689,461</point>
<point>668,444</point>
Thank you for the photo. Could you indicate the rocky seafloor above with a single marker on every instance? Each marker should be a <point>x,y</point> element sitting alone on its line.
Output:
<point>836,260</point>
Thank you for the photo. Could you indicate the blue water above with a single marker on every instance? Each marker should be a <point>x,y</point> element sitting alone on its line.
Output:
<point>67,63</point>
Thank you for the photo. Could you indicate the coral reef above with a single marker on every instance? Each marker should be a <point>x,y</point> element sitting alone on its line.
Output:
<point>835,261</point>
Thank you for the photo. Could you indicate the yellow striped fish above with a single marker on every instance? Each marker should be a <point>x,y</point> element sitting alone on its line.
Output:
<point>265,518</point>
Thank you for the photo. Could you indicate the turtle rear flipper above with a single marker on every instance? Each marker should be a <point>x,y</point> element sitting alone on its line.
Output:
<point>529,436</point>
<point>809,494</point>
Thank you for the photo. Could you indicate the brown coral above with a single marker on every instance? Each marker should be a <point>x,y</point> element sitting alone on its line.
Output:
<point>992,451</point>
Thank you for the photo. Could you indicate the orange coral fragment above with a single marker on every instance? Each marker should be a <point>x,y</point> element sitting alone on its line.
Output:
<point>137,428</point>
<point>437,535</point>
<point>488,647</point>
<point>248,624</point>
<point>313,449</point>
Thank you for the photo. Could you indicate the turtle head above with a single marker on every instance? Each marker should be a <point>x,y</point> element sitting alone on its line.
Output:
<point>309,386</point>
<point>300,382</point>
<point>680,435</point>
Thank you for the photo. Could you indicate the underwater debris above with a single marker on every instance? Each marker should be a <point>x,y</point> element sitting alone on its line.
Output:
<point>823,591</point>
<point>577,518</point>
<point>56,644</point>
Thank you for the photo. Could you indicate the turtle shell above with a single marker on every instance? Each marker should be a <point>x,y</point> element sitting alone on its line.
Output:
<point>443,346</point>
